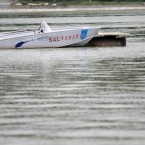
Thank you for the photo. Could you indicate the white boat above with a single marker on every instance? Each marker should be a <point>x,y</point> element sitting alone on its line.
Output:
<point>45,37</point>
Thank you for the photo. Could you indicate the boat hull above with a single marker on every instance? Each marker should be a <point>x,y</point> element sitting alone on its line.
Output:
<point>57,38</point>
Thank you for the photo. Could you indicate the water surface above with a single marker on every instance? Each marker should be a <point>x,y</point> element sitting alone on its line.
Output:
<point>73,96</point>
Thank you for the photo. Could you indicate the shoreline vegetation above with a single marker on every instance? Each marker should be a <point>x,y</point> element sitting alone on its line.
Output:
<point>82,2</point>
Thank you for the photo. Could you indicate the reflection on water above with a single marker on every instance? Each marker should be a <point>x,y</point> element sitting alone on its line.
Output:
<point>74,95</point>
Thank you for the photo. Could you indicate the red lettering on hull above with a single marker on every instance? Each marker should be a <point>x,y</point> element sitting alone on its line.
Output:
<point>64,38</point>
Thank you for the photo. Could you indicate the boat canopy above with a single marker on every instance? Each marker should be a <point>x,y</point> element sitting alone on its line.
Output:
<point>44,27</point>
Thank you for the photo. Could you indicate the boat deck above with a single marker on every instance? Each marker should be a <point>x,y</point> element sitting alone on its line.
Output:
<point>12,34</point>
